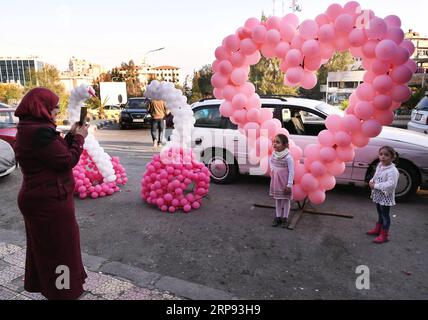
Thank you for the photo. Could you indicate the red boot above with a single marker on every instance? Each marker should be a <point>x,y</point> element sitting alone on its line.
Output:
<point>383,237</point>
<point>375,231</point>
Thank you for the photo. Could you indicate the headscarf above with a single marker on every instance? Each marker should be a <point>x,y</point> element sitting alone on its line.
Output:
<point>38,103</point>
<point>280,154</point>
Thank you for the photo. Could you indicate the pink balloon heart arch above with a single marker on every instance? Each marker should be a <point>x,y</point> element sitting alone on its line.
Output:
<point>96,174</point>
<point>302,49</point>
<point>175,179</point>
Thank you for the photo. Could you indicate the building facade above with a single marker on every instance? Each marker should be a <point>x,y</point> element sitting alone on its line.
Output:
<point>19,70</point>
<point>421,49</point>
<point>147,73</point>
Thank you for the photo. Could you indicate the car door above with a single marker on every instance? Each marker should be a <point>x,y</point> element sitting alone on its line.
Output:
<point>304,125</point>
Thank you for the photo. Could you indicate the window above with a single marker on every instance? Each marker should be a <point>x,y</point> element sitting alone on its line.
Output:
<point>137,104</point>
<point>208,116</point>
<point>423,105</point>
<point>300,121</point>
<point>7,119</point>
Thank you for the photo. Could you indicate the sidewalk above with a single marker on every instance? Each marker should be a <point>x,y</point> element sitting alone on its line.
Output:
<point>107,280</point>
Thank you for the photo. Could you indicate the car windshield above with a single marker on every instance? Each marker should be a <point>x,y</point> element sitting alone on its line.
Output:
<point>423,105</point>
<point>7,119</point>
<point>137,104</point>
<point>329,109</point>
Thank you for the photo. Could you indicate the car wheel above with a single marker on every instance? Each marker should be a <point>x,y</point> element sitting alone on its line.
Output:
<point>408,181</point>
<point>222,165</point>
<point>122,126</point>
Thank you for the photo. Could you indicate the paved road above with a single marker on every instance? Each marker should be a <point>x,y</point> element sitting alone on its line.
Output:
<point>229,244</point>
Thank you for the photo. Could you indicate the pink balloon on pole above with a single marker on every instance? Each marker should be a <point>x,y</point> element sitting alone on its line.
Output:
<point>351,123</point>
<point>248,47</point>
<point>327,182</point>
<point>333,122</point>
<point>295,74</point>
<point>328,154</point>
<point>377,28</point>
<point>294,58</point>
<point>309,182</point>
<point>383,83</point>
<point>316,196</point>
<point>400,93</point>
<point>393,21</point>
<point>344,23</point>
<point>365,92</point>
<point>359,139</point>
<point>310,48</point>
<point>395,34</point>
<point>326,33</point>
<point>382,102</point>
<point>259,34</point>
<point>238,77</point>
<point>309,80</point>
<point>364,110</point>
<point>333,11</point>
<point>342,139</point>
<point>226,109</point>
<point>401,74</point>
<point>298,193</point>
<point>318,169</point>
<point>326,138</point>
<point>308,29</point>
<point>371,128</point>
<point>281,49</point>
<point>345,154</point>
<point>336,167</point>
<point>357,38</point>
<point>386,50</point>
<point>232,42</point>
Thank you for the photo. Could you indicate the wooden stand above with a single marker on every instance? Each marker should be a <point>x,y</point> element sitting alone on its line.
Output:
<point>305,207</point>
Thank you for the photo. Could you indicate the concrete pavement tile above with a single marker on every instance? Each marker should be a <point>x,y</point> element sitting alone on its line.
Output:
<point>146,294</point>
<point>33,296</point>
<point>89,296</point>
<point>106,286</point>
<point>139,277</point>
<point>10,273</point>
<point>6,249</point>
<point>16,285</point>
<point>17,258</point>
<point>92,263</point>
<point>6,294</point>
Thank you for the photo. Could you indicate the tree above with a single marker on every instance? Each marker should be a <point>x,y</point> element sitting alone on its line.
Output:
<point>201,84</point>
<point>129,73</point>
<point>10,91</point>
<point>48,77</point>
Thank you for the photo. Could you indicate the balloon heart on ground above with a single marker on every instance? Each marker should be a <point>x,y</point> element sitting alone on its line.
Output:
<point>169,175</point>
<point>175,180</point>
<point>302,49</point>
<point>90,182</point>
<point>97,174</point>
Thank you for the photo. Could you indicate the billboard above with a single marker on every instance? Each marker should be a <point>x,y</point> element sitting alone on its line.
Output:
<point>113,93</point>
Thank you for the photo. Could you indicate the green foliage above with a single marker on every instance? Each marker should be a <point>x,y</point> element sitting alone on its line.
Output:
<point>344,105</point>
<point>201,84</point>
<point>417,94</point>
<point>339,62</point>
<point>10,91</point>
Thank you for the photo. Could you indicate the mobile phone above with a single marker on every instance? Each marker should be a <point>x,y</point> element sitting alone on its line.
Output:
<point>83,114</point>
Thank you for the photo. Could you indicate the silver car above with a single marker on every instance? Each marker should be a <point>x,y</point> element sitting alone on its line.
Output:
<point>217,140</point>
<point>7,159</point>
<point>419,118</point>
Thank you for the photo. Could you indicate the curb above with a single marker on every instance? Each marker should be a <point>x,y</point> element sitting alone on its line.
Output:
<point>139,277</point>
<point>106,123</point>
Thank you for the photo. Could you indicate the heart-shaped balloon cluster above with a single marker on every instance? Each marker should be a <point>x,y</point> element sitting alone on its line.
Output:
<point>302,49</point>
<point>90,182</point>
<point>175,180</point>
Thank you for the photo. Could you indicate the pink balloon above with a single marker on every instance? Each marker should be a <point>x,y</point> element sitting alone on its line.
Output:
<point>371,128</point>
<point>281,49</point>
<point>238,59</point>
<point>382,102</point>
<point>219,81</point>
<point>254,58</point>
<point>369,77</point>
<point>239,76</point>
<point>411,65</point>
<point>377,29</point>
<point>273,22</point>
<point>380,67</point>
<point>326,138</point>
<point>342,139</point>
<point>254,102</point>
<point>226,109</point>
<point>333,122</point>
<point>407,44</point>
<point>309,182</point>
<point>240,116</point>
<point>386,50</point>
<point>322,19</point>
<point>308,29</point>
<point>239,101</point>
<point>363,110</point>
<point>395,34</point>
<point>385,117</point>
<point>310,48</point>
<point>326,51</point>
<point>298,193</point>
<point>264,115</point>
<point>369,49</point>
<point>225,67</point>
<point>383,83</point>
<point>294,58</point>
<point>259,34</point>
<point>273,37</point>
<point>299,171</point>
<point>351,123</point>
<point>318,169</point>
<point>297,42</point>
<point>287,31</point>
<point>252,129</point>
<point>270,126</point>
<point>352,7</point>
<point>295,74</point>
<point>341,43</point>
<point>393,21</point>
<point>248,47</point>
<point>221,53</point>
<point>268,50</point>
<point>309,80</point>
<point>357,38</point>
<point>345,154</point>
<point>312,64</point>
<point>312,152</point>
<point>344,23</point>
<point>326,33</point>
<point>296,152</point>
<point>232,42</point>
<point>291,19</point>
<point>366,92</point>
<point>218,93</point>
<point>401,74</point>
<point>359,139</point>
<point>328,154</point>
<point>356,51</point>
<point>317,196</point>
<point>400,93</point>
<point>402,56</point>
<point>333,11</point>
<point>327,182</point>
<point>336,167</point>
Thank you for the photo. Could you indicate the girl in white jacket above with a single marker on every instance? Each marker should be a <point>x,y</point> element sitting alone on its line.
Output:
<point>383,187</point>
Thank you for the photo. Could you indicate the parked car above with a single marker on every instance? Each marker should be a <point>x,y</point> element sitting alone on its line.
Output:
<point>8,124</point>
<point>419,118</point>
<point>135,113</point>
<point>304,119</point>
<point>7,159</point>
<point>112,111</point>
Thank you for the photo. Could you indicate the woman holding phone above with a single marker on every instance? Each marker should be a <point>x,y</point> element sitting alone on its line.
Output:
<point>46,197</point>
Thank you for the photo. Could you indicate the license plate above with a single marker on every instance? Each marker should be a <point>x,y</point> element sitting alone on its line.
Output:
<point>138,120</point>
<point>418,117</point>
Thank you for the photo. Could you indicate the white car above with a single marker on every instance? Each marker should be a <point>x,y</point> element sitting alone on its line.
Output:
<point>7,159</point>
<point>217,140</point>
<point>419,118</point>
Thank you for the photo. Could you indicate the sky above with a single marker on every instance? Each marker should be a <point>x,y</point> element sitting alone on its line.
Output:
<point>109,32</point>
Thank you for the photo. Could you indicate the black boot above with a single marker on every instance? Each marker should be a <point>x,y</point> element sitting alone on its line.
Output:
<point>276,222</point>
<point>284,223</point>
